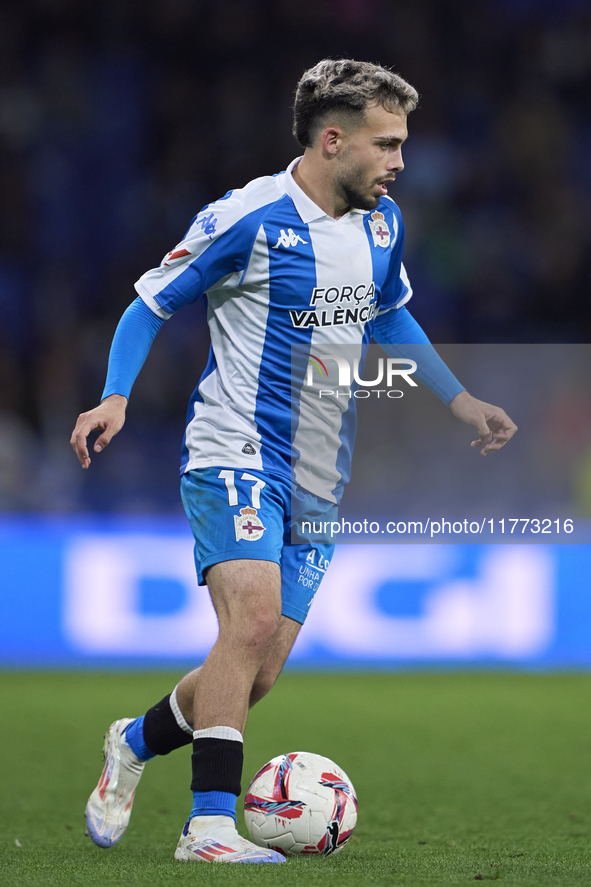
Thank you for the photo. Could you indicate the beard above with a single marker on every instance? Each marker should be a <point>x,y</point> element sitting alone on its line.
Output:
<point>355,190</point>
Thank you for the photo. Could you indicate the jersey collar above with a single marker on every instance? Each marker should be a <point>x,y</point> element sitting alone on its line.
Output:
<point>307,209</point>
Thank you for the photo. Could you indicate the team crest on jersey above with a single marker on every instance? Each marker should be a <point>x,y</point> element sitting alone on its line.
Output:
<point>247,525</point>
<point>379,229</point>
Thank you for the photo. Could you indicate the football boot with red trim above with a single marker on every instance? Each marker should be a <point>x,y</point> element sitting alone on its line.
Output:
<point>215,839</point>
<point>109,806</point>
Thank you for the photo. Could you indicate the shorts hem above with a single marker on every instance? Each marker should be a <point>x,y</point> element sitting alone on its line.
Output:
<point>294,613</point>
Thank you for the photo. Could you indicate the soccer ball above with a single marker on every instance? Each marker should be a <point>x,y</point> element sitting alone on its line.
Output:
<point>301,803</point>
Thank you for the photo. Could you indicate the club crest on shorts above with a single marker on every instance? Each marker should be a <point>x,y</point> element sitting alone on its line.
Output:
<point>379,229</point>
<point>247,525</point>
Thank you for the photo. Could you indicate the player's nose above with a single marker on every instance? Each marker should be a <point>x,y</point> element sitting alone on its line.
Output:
<point>396,163</point>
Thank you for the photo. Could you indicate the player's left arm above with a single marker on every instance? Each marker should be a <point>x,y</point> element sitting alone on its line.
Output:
<point>401,336</point>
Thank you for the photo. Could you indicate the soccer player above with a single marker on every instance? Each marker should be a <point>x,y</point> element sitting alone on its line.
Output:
<point>311,257</point>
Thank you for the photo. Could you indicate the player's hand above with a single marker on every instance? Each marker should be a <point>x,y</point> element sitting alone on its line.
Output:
<point>493,424</point>
<point>109,417</point>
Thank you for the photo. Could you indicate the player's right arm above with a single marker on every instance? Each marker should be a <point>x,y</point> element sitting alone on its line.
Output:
<point>131,344</point>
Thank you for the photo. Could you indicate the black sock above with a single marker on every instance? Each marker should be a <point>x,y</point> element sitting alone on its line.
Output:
<point>162,733</point>
<point>217,765</point>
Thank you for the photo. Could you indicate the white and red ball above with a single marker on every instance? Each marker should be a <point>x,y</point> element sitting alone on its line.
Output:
<point>301,803</point>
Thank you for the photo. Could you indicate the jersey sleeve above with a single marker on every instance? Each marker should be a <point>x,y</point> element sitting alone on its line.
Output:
<point>401,336</point>
<point>216,245</point>
<point>396,290</point>
<point>132,341</point>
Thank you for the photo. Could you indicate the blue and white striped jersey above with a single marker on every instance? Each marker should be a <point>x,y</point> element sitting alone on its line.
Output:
<point>277,271</point>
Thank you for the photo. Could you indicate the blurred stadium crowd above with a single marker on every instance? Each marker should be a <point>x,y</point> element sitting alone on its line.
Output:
<point>119,120</point>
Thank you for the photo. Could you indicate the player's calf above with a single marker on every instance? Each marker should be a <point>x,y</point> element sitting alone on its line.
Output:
<point>165,727</point>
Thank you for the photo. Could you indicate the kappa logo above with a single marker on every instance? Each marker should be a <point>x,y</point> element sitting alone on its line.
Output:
<point>379,229</point>
<point>289,239</point>
<point>247,525</point>
<point>207,224</point>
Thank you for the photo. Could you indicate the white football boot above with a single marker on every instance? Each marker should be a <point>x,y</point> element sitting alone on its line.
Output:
<point>215,839</point>
<point>109,806</point>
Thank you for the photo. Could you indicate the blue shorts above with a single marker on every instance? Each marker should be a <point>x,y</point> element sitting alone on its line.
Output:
<point>237,514</point>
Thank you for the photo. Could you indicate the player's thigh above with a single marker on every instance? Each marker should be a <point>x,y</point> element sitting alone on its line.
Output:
<point>238,521</point>
<point>246,595</point>
<point>234,515</point>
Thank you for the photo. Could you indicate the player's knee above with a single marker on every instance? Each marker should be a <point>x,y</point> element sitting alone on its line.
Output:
<point>257,631</point>
<point>265,626</point>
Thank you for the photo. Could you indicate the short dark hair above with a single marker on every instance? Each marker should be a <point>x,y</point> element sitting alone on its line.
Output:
<point>349,88</point>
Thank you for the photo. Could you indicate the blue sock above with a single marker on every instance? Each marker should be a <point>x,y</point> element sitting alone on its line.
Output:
<point>134,735</point>
<point>214,804</point>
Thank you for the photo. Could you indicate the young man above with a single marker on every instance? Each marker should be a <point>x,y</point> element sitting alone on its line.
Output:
<point>322,239</point>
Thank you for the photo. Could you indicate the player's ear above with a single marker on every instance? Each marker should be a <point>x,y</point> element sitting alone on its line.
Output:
<point>331,139</point>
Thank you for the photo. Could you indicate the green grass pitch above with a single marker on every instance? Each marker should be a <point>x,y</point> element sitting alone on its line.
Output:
<point>460,777</point>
